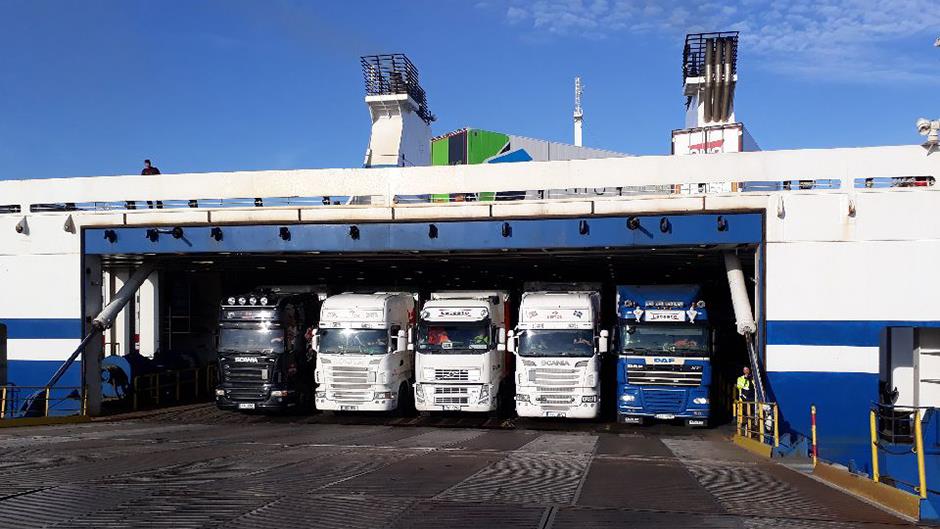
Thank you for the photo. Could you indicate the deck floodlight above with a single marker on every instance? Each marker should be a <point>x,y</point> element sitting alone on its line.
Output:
<point>633,223</point>
<point>432,231</point>
<point>722,223</point>
<point>177,232</point>
<point>110,236</point>
<point>664,225</point>
<point>152,234</point>
<point>507,230</point>
<point>284,233</point>
<point>583,227</point>
<point>354,233</point>
<point>216,233</point>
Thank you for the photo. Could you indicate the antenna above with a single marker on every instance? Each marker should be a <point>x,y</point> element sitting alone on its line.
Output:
<point>578,112</point>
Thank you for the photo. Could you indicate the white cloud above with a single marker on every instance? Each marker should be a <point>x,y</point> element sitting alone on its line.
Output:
<point>801,37</point>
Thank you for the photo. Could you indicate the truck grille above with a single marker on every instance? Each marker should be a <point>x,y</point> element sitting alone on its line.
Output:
<point>451,395</point>
<point>452,375</point>
<point>246,393</point>
<point>245,373</point>
<point>349,383</point>
<point>663,400</point>
<point>556,387</point>
<point>662,375</point>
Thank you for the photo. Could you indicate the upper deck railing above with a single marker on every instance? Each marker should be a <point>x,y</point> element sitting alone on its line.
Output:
<point>845,171</point>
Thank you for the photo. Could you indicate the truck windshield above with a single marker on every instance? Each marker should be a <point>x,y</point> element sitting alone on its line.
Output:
<point>568,342</point>
<point>688,340</point>
<point>354,341</point>
<point>452,339</point>
<point>251,340</point>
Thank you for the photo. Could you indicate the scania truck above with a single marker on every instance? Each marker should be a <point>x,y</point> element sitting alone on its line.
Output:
<point>558,344</point>
<point>264,358</point>
<point>363,359</point>
<point>664,348</point>
<point>461,360</point>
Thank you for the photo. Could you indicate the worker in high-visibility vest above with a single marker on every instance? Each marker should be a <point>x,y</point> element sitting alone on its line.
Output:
<point>746,385</point>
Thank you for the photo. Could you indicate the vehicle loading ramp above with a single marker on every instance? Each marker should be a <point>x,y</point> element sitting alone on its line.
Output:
<point>285,472</point>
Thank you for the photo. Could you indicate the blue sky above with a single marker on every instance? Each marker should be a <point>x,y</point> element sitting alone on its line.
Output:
<point>93,87</point>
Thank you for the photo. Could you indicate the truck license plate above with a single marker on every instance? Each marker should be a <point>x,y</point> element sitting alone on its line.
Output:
<point>246,405</point>
<point>348,408</point>
<point>554,414</point>
<point>451,407</point>
<point>665,416</point>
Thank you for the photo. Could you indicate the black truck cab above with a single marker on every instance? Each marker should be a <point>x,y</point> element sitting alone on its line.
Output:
<point>265,362</point>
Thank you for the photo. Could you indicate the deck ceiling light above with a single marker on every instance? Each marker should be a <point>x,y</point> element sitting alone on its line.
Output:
<point>216,233</point>
<point>722,223</point>
<point>583,227</point>
<point>110,236</point>
<point>354,233</point>
<point>432,231</point>
<point>284,233</point>
<point>507,230</point>
<point>633,223</point>
<point>664,225</point>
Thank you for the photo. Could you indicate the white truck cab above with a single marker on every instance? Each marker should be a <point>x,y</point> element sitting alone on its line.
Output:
<point>363,359</point>
<point>558,343</point>
<point>460,354</point>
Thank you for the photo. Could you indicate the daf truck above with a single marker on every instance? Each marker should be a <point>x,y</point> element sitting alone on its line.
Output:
<point>558,344</point>
<point>264,358</point>
<point>363,359</point>
<point>461,360</point>
<point>664,347</point>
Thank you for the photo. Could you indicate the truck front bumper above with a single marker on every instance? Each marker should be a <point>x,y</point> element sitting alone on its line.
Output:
<point>584,405</point>
<point>284,399</point>
<point>473,398</point>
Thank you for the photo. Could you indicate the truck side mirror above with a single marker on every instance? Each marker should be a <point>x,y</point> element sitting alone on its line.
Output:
<point>511,341</point>
<point>401,341</point>
<point>501,336</point>
<point>315,340</point>
<point>411,339</point>
<point>602,342</point>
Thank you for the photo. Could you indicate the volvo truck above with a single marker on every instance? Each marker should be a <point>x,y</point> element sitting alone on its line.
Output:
<point>664,346</point>
<point>265,362</point>
<point>461,360</point>
<point>363,359</point>
<point>558,344</point>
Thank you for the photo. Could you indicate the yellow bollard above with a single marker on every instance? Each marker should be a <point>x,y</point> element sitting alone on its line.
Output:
<point>738,411</point>
<point>47,403</point>
<point>875,476</point>
<point>919,447</point>
<point>776,428</point>
<point>3,402</point>
<point>760,422</point>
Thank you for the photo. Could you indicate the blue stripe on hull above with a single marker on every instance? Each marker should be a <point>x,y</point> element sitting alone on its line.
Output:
<point>865,333</point>
<point>39,328</point>
<point>842,401</point>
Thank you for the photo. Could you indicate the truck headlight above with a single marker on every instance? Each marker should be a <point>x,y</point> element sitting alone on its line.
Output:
<point>419,392</point>
<point>700,400</point>
<point>220,392</point>
<point>473,375</point>
<point>320,394</point>
<point>522,397</point>
<point>280,393</point>
<point>628,398</point>
<point>428,373</point>
<point>385,395</point>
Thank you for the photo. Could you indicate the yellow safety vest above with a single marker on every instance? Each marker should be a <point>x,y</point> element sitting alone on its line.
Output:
<point>744,383</point>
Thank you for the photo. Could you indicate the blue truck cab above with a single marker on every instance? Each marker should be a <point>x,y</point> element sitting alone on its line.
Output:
<point>663,343</point>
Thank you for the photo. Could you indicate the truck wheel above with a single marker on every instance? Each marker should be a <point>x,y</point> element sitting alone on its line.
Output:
<point>405,400</point>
